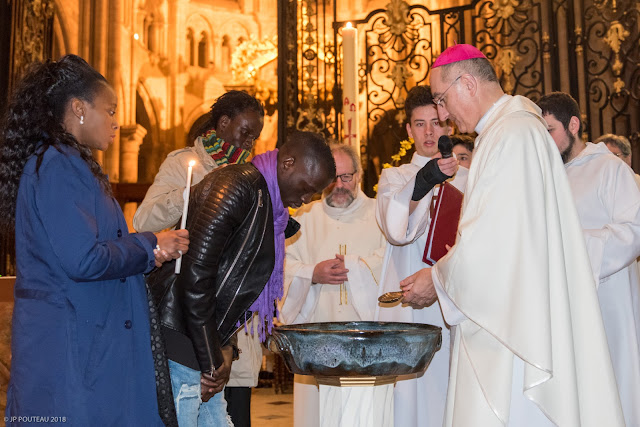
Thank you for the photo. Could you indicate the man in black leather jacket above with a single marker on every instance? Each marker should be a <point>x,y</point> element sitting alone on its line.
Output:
<point>232,254</point>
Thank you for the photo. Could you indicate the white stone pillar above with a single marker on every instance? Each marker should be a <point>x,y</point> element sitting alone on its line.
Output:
<point>111,157</point>
<point>176,29</point>
<point>130,140</point>
<point>216,41</point>
<point>131,137</point>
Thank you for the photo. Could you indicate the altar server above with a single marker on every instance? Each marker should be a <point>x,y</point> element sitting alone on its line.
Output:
<point>403,212</point>
<point>608,203</point>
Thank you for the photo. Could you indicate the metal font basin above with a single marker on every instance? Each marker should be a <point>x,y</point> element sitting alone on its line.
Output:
<point>345,349</point>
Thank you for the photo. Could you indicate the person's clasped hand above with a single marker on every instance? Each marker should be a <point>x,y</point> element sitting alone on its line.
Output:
<point>331,271</point>
<point>214,382</point>
<point>171,244</point>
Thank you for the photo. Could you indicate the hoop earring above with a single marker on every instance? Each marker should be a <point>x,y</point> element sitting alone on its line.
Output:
<point>81,120</point>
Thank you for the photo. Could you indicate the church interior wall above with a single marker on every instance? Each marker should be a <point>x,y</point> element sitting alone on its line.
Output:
<point>174,59</point>
<point>143,44</point>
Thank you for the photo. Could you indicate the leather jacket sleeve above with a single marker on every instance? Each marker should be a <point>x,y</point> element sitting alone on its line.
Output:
<point>218,206</point>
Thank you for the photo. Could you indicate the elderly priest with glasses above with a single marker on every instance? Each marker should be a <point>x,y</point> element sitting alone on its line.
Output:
<point>332,265</point>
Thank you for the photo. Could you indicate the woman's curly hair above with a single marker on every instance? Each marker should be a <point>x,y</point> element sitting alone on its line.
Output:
<point>34,122</point>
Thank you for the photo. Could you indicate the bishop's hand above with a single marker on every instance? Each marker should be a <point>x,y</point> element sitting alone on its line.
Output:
<point>419,289</point>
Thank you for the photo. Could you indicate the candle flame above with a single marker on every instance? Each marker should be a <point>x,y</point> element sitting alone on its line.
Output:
<point>349,25</point>
<point>192,162</point>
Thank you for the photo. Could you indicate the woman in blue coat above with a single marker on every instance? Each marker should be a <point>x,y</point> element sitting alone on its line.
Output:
<point>81,349</point>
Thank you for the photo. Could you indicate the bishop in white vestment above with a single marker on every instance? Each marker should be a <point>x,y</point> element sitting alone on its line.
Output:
<point>529,345</point>
<point>418,400</point>
<point>323,285</point>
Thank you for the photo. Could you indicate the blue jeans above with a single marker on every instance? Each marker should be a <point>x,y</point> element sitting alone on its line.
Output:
<point>191,410</point>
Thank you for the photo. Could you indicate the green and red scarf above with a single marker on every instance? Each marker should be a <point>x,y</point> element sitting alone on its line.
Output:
<point>222,152</point>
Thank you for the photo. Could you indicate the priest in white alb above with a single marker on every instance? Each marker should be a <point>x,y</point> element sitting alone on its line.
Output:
<point>608,203</point>
<point>332,265</point>
<point>529,345</point>
<point>403,212</point>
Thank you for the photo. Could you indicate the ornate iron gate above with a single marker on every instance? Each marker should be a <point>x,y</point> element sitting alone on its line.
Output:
<point>29,25</point>
<point>588,48</point>
<point>611,62</point>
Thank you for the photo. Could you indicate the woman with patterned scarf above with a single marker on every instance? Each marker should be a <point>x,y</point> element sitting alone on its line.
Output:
<point>235,122</point>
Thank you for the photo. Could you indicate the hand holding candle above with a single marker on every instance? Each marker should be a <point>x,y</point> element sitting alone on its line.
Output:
<point>185,208</point>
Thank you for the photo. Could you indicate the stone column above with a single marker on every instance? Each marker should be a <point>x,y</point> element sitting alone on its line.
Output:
<point>130,140</point>
<point>98,47</point>
<point>111,159</point>
<point>233,43</point>
<point>217,51</point>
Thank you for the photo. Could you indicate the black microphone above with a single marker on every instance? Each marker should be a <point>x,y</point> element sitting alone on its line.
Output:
<point>430,175</point>
<point>445,146</point>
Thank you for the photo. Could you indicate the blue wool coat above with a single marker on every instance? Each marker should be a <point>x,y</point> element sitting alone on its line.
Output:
<point>80,339</point>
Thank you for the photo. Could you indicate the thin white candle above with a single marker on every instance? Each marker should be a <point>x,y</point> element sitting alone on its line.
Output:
<point>351,125</point>
<point>185,208</point>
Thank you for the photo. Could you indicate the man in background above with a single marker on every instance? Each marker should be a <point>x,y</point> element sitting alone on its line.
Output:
<point>332,265</point>
<point>608,203</point>
<point>463,149</point>
<point>620,147</point>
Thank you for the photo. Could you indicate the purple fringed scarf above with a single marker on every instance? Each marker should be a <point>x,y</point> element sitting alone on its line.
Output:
<point>266,304</point>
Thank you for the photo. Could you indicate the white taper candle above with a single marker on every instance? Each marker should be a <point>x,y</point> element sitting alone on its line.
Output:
<point>185,208</point>
<point>351,125</point>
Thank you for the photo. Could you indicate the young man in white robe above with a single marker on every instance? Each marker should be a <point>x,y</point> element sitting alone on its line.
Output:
<point>404,219</point>
<point>608,203</point>
<point>332,266</point>
<point>529,346</point>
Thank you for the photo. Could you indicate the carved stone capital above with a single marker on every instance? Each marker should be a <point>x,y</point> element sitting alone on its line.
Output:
<point>131,137</point>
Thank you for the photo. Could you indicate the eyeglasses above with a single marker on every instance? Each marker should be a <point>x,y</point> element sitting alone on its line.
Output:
<point>345,177</point>
<point>440,101</point>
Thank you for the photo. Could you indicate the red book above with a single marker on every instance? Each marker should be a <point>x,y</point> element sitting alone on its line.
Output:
<point>444,223</point>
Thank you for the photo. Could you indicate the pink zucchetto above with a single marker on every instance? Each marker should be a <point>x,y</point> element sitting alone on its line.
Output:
<point>456,53</point>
